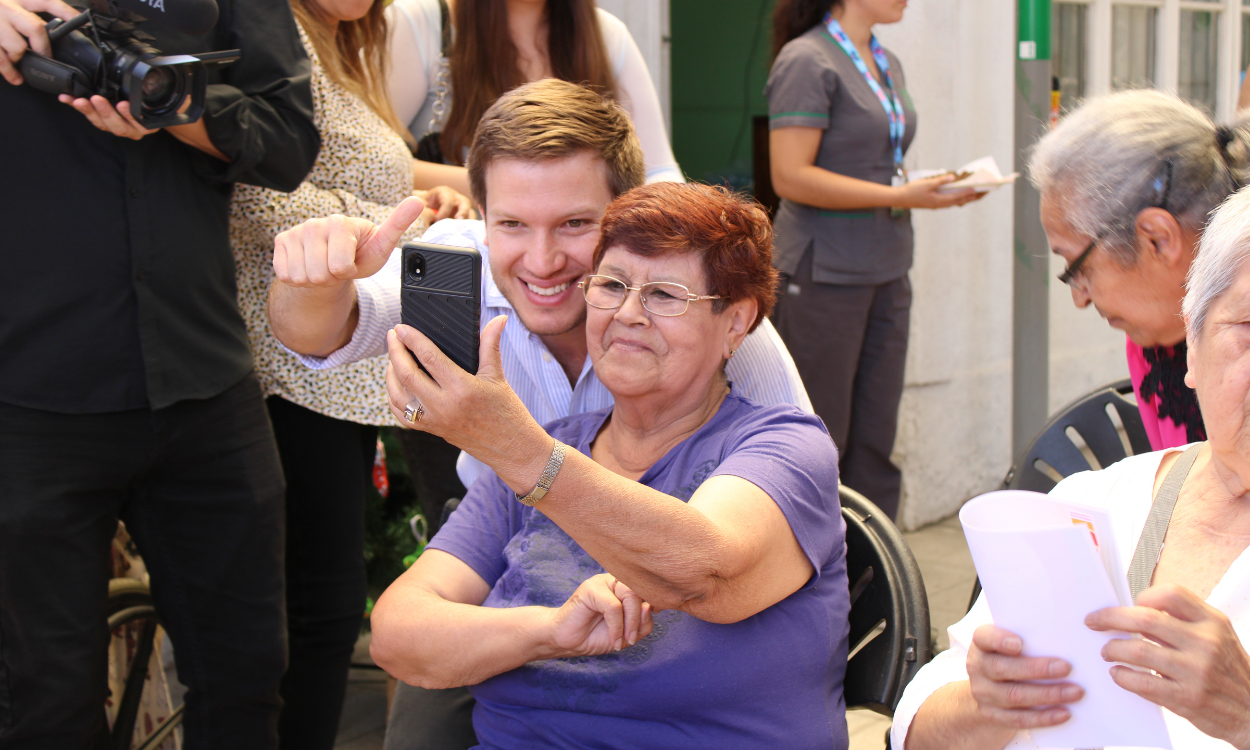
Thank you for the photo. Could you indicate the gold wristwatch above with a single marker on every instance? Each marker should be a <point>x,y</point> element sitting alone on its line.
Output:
<point>549,476</point>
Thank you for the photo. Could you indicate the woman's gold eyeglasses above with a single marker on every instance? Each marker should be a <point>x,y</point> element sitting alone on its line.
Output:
<point>663,298</point>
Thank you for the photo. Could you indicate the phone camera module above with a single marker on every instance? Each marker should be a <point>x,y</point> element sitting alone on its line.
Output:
<point>416,267</point>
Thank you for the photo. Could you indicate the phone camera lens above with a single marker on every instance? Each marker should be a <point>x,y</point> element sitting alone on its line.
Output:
<point>416,267</point>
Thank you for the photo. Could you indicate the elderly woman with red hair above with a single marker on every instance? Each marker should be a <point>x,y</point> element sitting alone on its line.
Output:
<point>668,572</point>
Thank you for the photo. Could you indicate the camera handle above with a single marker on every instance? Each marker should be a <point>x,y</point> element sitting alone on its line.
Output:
<point>218,59</point>
<point>57,28</point>
<point>51,75</point>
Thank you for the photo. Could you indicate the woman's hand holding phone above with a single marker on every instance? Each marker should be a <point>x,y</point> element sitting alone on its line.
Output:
<point>479,414</point>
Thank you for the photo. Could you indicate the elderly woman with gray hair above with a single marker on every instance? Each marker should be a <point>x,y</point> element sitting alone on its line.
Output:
<point>984,693</point>
<point>1127,182</point>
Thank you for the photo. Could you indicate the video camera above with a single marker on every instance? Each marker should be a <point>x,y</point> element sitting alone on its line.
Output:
<point>103,52</point>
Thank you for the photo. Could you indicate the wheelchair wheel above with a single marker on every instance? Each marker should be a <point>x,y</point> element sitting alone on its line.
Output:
<point>132,619</point>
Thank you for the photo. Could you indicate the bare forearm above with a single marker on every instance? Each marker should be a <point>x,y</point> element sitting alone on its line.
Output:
<point>950,720</point>
<point>426,175</point>
<point>671,554</point>
<point>813,186</point>
<point>428,641</point>
<point>313,321</point>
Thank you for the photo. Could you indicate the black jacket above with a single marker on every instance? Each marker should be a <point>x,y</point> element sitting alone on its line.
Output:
<point>117,282</point>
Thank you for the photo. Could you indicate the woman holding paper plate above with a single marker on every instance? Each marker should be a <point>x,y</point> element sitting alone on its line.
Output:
<point>841,120</point>
<point>1190,573</point>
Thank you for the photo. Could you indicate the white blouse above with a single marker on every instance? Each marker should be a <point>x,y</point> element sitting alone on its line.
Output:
<point>416,42</point>
<point>363,170</point>
<point>1127,490</point>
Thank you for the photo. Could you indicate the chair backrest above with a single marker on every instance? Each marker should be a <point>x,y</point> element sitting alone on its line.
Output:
<point>889,639</point>
<point>451,504</point>
<point>1088,416</point>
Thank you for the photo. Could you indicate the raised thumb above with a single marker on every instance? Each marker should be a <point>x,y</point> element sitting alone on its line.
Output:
<point>490,363</point>
<point>386,237</point>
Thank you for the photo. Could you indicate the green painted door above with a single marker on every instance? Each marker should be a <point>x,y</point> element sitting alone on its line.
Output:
<point>721,52</point>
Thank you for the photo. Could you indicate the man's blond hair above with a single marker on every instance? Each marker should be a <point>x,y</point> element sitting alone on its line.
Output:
<point>552,119</point>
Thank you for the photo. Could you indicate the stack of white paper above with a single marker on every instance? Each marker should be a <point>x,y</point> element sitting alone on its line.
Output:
<point>1044,565</point>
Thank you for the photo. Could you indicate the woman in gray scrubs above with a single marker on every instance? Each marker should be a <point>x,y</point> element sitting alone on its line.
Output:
<point>840,121</point>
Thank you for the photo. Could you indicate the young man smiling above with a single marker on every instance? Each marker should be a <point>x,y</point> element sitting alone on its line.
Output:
<point>547,160</point>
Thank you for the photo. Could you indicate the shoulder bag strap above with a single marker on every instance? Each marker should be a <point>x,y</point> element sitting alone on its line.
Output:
<point>1150,543</point>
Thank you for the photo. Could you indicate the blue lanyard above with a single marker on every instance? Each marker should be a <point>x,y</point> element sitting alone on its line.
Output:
<point>893,107</point>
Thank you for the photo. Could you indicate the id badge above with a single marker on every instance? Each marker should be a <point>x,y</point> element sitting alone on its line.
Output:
<point>898,180</point>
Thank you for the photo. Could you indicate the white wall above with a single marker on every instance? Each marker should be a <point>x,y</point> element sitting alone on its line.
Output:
<point>1085,352</point>
<point>955,424</point>
<point>648,24</point>
<point>954,427</point>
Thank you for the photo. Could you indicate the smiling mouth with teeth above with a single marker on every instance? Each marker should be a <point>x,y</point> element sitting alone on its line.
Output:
<point>547,291</point>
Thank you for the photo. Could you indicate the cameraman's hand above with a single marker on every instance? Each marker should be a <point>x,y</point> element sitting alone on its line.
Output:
<point>116,120</point>
<point>926,194</point>
<point>120,122</point>
<point>332,251</point>
<point>21,29</point>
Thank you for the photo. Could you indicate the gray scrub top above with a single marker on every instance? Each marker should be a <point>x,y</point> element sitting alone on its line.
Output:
<point>814,84</point>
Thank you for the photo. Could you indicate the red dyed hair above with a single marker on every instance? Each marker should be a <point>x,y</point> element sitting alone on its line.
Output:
<point>731,232</point>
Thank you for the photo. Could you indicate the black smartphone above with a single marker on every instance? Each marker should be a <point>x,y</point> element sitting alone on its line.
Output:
<point>442,298</point>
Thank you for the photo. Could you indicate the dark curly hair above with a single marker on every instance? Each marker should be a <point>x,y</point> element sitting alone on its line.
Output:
<point>730,231</point>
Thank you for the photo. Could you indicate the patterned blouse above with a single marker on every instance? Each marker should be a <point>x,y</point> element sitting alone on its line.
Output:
<point>363,170</point>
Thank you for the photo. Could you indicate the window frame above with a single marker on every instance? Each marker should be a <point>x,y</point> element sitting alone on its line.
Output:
<point>1167,46</point>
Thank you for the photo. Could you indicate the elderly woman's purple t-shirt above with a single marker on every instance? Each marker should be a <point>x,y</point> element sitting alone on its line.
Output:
<point>772,680</point>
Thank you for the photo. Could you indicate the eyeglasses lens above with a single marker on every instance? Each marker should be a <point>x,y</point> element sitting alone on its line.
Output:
<point>605,292</point>
<point>665,299</point>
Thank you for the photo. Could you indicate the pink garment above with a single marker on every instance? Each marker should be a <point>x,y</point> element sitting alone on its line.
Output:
<point>1162,433</point>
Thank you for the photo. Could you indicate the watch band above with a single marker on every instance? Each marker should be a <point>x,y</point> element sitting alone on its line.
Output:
<point>549,476</point>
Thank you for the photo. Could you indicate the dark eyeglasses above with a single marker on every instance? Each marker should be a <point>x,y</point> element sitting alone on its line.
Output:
<point>1069,273</point>
<point>1162,185</point>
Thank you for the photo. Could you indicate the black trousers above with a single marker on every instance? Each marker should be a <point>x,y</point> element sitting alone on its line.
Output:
<point>423,719</point>
<point>850,345</point>
<point>200,489</point>
<point>431,465</point>
<point>328,465</point>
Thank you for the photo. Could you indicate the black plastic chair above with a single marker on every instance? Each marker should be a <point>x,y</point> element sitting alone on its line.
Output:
<point>1053,447</point>
<point>889,639</point>
<point>1088,417</point>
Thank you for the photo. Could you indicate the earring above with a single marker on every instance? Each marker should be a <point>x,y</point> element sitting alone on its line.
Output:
<point>731,353</point>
